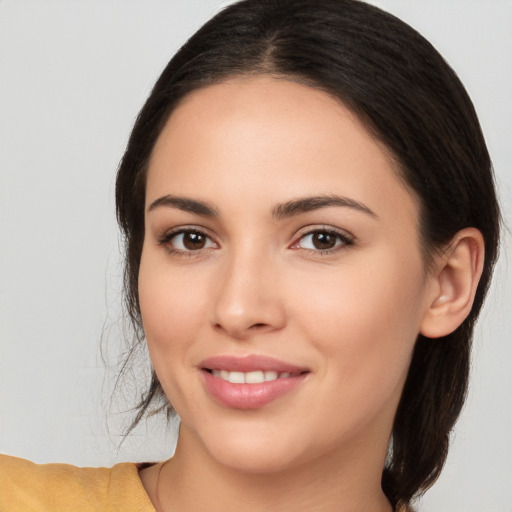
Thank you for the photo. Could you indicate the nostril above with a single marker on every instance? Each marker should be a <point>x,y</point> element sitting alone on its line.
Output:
<point>257,326</point>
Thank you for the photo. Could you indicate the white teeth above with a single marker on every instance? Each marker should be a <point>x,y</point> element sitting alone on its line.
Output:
<point>236,377</point>
<point>270,376</point>
<point>255,377</point>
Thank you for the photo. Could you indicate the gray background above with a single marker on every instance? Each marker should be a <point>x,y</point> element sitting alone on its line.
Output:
<point>73,75</point>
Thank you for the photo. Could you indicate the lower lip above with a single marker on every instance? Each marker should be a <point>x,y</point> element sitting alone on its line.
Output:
<point>249,396</point>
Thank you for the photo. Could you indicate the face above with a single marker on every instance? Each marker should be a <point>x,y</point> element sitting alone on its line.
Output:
<point>281,284</point>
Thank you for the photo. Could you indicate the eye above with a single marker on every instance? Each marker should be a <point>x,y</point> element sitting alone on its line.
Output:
<point>323,240</point>
<point>186,241</point>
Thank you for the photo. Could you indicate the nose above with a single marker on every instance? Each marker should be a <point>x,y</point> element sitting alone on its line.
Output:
<point>248,299</point>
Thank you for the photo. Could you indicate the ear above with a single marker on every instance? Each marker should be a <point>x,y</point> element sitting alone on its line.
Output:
<point>455,280</point>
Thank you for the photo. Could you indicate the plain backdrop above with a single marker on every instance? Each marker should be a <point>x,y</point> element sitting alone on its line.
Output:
<point>73,75</point>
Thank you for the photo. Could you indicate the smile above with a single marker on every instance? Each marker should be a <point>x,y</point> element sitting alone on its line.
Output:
<point>249,382</point>
<point>254,377</point>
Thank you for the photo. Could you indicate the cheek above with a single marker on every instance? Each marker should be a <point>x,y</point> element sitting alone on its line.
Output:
<point>365,323</point>
<point>172,306</point>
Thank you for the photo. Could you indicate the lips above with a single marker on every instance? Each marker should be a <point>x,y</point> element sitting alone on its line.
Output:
<point>250,363</point>
<point>249,382</point>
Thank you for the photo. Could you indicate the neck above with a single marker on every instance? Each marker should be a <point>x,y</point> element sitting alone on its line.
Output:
<point>192,481</point>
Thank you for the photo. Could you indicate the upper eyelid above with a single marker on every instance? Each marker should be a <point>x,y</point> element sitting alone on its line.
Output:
<point>186,229</point>
<point>307,230</point>
<point>346,238</point>
<point>165,237</point>
<point>167,234</point>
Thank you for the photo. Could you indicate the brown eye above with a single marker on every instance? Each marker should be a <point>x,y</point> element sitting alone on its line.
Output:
<point>323,240</point>
<point>187,241</point>
<point>193,241</point>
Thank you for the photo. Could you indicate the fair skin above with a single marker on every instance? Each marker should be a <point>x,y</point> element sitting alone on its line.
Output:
<point>239,261</point>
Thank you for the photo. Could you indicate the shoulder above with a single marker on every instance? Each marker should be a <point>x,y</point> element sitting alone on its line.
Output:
<point>27,487</point>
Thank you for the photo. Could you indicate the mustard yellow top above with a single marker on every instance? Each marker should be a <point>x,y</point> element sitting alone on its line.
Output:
<point>29,487</point>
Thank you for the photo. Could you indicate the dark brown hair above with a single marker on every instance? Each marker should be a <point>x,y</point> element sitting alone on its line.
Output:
<point>411,100</point>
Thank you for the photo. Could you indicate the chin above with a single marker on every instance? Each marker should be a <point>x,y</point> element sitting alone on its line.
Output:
<point>252,460</point>
<point>251,451</point>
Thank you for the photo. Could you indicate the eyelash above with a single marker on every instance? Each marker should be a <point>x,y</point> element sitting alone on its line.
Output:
<point>343,240</point>
<point>165,241</point>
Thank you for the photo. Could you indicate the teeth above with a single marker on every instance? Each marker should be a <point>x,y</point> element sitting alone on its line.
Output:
<point>256,377</point>
<point>270,376</point>
<point>236,377</point>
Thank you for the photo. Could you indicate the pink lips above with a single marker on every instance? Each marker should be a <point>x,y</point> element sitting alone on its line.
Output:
<point>245,395</point>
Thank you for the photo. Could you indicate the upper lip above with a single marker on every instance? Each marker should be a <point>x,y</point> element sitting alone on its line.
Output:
<point>249,363</point>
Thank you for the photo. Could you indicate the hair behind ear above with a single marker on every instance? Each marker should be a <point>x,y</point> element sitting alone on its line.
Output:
<point>431,402</point>
<point>436,385</point>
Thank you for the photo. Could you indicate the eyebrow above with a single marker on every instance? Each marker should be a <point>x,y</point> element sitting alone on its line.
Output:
<point>307,204</point>
<point>281,211</point>
<point>186,204</point>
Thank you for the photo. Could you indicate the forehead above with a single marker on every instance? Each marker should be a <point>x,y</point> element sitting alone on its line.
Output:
<point>274,139</point>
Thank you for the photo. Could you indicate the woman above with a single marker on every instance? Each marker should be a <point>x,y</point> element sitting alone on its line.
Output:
<point>311,226</point>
